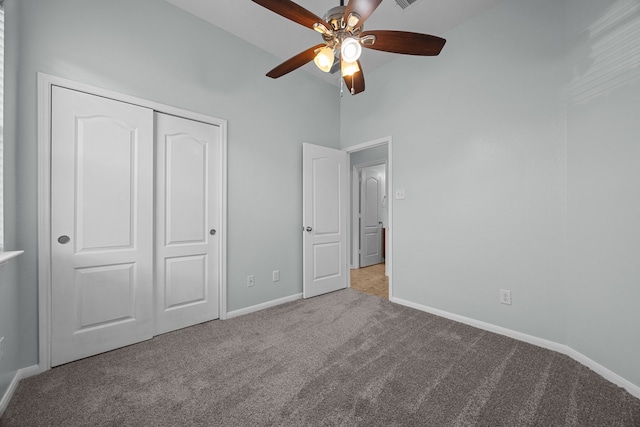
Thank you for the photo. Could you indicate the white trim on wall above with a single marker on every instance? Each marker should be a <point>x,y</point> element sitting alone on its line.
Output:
<point>45,83</point>
<point>19,375</point>
<point>531,339</point>
<point>263,305</point>
<point>6,256</point>
<point>355,216</point>
<point>388,140</point>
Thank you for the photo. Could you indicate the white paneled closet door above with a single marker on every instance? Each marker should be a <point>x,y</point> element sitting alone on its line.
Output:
<point>101,223</point>
<point>132,256</point>
<point>187,222</point>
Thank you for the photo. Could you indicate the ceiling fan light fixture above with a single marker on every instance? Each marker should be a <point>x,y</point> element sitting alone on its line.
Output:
<point>350,49</point>
<point>324,59</point>
<point>321,28</point>
<point>349,68</point>
<point>352,20</point>
<point>342,29</point>
<point>368,40</point>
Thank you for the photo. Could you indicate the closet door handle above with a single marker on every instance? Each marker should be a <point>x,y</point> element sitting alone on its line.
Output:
<point>64,240</point>
<point>213,231</point>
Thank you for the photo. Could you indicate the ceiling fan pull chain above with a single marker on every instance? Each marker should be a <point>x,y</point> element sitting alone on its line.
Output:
<point>353,88</point>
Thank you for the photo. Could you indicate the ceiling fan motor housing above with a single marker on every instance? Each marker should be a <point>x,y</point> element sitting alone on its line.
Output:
<point>335,18</point>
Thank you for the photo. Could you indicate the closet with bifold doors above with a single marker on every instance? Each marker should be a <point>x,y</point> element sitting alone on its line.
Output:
<point>136,196</point>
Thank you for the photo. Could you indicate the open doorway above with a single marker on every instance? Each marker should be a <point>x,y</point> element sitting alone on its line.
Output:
<point>371,234</point>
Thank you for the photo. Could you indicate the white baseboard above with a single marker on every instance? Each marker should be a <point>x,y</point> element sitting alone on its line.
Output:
<point>604,372</point>
<point>262,306</point>
<point>531,339</point>
<point>20,374</point>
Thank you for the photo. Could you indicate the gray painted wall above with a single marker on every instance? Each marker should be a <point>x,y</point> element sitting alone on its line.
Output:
<point>603,146</point>
<point>152,50</point>
<point>369,155</point>
<point>513,180</point>
<point>9,283</point>
<point>8,325</point>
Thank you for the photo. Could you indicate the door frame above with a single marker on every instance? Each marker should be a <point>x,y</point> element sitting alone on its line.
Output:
<point>356,193</point>
<point>45,84</point>
<point>388,140</point>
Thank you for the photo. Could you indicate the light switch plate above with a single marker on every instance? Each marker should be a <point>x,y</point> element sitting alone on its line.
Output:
<point>400,194</point>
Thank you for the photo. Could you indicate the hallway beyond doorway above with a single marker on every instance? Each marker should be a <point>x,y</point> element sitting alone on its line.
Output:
<point>371,280</point>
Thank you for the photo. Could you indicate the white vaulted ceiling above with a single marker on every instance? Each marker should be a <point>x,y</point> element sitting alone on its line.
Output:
<point>284,38</point>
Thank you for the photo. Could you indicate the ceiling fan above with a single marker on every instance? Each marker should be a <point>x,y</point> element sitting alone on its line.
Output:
<point>344,36</point>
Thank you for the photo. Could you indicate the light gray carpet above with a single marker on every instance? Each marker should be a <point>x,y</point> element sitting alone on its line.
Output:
<point>346,358</point>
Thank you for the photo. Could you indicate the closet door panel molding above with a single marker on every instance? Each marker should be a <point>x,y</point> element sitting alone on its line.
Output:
<point>187,210</point>
<point>99,226</point>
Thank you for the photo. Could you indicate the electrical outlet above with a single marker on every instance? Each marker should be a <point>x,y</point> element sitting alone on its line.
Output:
<point>276,275</point>
<point>400,194</point>
<point>505,296</point>
<point>1,348</point>
<point>251,280</point>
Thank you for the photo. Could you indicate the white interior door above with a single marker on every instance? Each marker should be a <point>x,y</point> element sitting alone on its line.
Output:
<point>187,238</point>
<point>325,201</point>
<point>101,224</point>
<point>371,185</point>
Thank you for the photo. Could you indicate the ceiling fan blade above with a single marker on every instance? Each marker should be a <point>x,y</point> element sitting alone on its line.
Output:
<point>295,62</point>
<point>292,11</point>
<point>363,8</point>
<point>405,42</point>
<point>356,81</point>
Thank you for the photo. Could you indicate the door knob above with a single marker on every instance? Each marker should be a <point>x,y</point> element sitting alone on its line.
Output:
<point>64,240</point>
<point>213,232</point>
<point>309,229</point>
